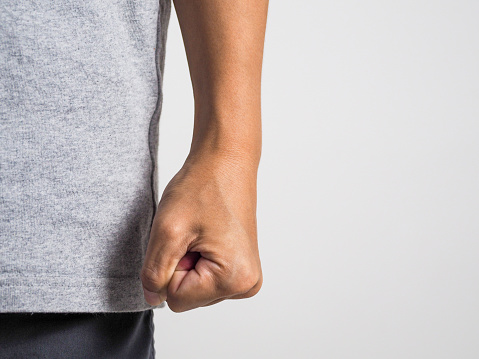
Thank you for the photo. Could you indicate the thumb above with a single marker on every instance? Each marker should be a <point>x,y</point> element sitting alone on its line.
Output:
<point>166,248</point>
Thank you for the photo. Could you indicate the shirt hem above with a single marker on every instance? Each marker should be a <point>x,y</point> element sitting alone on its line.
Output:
<point>72,295</point>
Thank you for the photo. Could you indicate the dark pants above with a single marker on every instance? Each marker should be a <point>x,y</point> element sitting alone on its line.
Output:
<point>77,335</point>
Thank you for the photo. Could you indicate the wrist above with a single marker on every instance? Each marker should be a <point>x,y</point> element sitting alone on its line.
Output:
<point>229,158</point>
<point>228,161</point>
<point>233,139</point>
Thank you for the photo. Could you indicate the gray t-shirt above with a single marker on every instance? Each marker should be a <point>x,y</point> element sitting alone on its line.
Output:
<point>80,101</point>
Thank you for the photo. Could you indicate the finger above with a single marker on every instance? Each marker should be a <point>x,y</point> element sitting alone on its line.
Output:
<point>165,250</point>
<point>253,291</point>
<point>186,264</point>
<point>194,288</point>
<point>188,261</point>
<point>215,302</point>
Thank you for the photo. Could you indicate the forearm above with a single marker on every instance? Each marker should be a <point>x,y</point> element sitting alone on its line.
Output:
<point>203,244</point>
<point>224,46</point>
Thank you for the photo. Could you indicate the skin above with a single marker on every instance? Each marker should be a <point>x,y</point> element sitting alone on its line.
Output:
<point>203,245</point>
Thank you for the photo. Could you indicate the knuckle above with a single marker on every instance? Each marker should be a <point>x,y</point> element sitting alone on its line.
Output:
<point>244,279</point>
<point>259,285</point>
<point>175,306</point>
<point>171,228</point>
<point>256,288</point>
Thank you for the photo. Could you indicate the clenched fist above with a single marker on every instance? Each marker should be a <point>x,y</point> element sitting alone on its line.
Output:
<point>203,245</point>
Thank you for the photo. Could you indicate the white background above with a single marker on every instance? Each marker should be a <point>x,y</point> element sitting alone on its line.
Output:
<point>368,199</point>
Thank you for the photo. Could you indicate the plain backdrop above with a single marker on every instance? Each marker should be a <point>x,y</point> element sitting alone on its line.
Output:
<point>368,197</point>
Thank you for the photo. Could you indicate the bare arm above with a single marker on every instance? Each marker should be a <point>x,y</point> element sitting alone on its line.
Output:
<point>224,45</point>
<point>203,245</point>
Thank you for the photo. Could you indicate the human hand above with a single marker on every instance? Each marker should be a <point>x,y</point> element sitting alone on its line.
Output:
<point>203,243</point>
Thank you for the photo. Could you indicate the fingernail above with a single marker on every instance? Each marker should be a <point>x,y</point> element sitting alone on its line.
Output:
<point>152,297</point>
